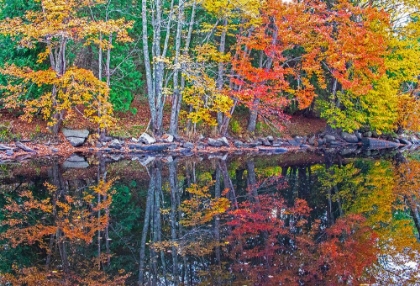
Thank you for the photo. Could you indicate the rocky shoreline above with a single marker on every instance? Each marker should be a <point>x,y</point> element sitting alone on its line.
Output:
<point>169,145</point>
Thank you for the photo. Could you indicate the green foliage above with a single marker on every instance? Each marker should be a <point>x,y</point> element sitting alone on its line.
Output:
<point>235,126</point>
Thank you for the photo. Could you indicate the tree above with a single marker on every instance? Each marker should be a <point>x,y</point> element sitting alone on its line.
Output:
<point>55,25</point>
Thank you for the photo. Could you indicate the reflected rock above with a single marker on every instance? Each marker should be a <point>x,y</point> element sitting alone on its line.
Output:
<point>373,143</point>
<point>75,162</point>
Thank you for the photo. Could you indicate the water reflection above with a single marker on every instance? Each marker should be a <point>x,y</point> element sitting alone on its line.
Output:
<point>242,221</point>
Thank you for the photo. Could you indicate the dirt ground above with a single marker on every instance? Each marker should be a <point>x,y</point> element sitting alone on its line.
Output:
<point>36,135</point>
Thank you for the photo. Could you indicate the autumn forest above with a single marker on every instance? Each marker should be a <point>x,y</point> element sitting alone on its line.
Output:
<point>209,142</point>
<point>197,62</point>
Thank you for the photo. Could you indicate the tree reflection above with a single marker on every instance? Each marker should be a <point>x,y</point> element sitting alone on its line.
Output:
<point>216,223</point>
<point>59,224</point>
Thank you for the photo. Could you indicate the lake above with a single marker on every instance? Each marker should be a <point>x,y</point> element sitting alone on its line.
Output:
<point>304,218</point>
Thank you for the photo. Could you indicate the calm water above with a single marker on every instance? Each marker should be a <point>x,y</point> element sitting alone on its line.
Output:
<point>294,219</point>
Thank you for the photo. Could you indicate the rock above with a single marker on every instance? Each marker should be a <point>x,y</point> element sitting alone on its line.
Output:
<point>214,142</point>
<point>405,141</point>
<point>294,142</point>
<point>5,148</point>
<point>188,145</point>
<point>76,141</point>
<point>168,138</point>
<point>224,141</point>
<point>270,138</point>
<point>305,146</point>
<point>373,143</point>
<point>24,147</point>
<point>238,144</point>
<point>9,152</point>
<point>321,141</point>
<point>157,147</point>
<point>349,138</point>
<point>76,137</point>
<point>272,150</point>
<point>266,142</point>
<point>200,146</point>
<point>335,143</point>
<point>134,140</point>
<point>81,133</point>
<point>415,140</point>
<point>55,150</point>
<point>312,140</point>
<point>115,144</point>
<point>348,150</point>
<point>367,134</point>
<point>329,138</point>
<point>358,135</point>
<point>147,139</point>
<point>277,143</point>
<point>116,157</point>
<point>76,162</point>
<point>145,160</point>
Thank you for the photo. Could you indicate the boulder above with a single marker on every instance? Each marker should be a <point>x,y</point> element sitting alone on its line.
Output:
<point>115,144</point>
<point>168,138</point>
<point>5,148</point>
<point>277,150</point>
<point>294,142</point>
<point>321,141</point>
<point>146,139</point>
<point>9,152</point>
<point>270,138</point>
<point>224,141</point>
<point>266,142</point>
<point>188,145</point>
<point>157,147</point>
<point>373,143</point>
<point>238,144</point>
<point>81,133</point>
<point>214,142</point>
<point>329,138</point>
<point>349,138</point>
<point>367,134</point>
<point>76,162</point>
<point>405,141</point>
<point>76,137</point>
<point>311,140</point>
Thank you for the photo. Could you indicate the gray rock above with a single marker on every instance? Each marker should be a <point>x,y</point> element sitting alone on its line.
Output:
<point>312,140</point>
<point>415,140</point>
<point>75,162</point>
<point>329,138</point>
<point>321,141</point>
<point>134,140</point>
<point>405,141</point>
<point>350,138</point>
<point>115,144</point>
<point>367,134</point>
<point>116,157</point>
<point>270,138</point>
<point>188,145</point>
<point>358,135</point>
<point>168,138</point>
<point>147,139</point>
<point>9,152</point>
<point>277,150</point>
<point>277,143</point>
<point>238,144</point>
<point>373,143</point>
<point>76,141</point>
<point>5,148</point>
<point>55,150</point>
<point>81,133</point>
<point>305,146</point>
<point>335,143</point>
<point>156,147</point>
<point>349,150</point>
<point>214,142</point>
<point>224,141</point>
<point>76,137</point>
<point>266,142</point>
<point>294,142</point>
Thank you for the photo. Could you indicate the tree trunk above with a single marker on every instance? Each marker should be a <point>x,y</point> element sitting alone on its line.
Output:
<point>221,68</point>
<point>253,115</point>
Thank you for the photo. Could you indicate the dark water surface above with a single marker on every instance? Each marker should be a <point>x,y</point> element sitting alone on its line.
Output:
<point>292,219</point>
